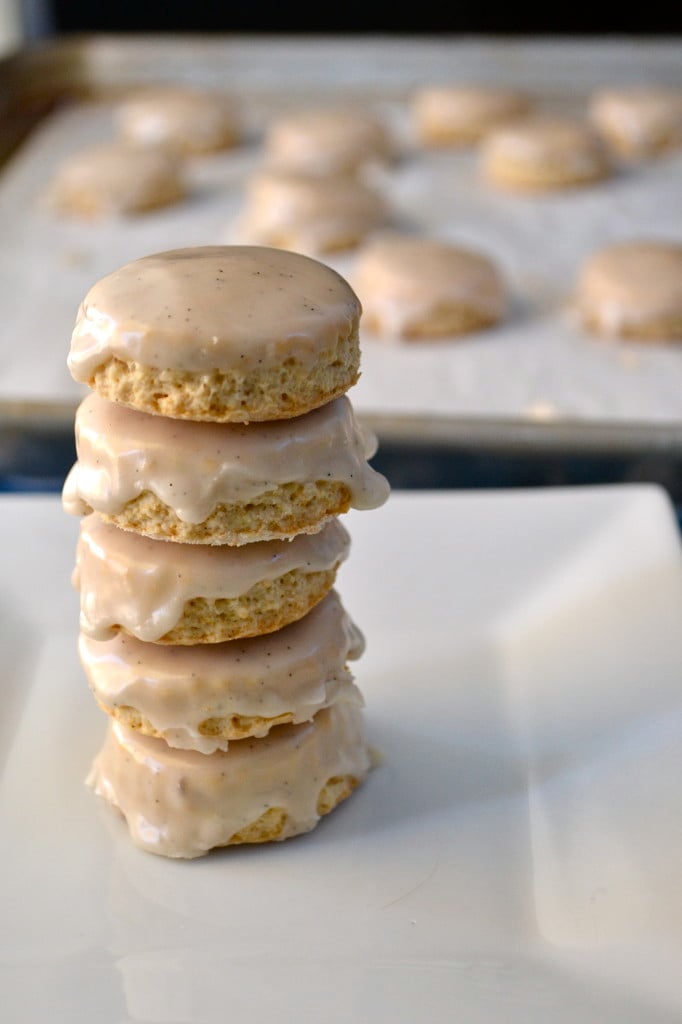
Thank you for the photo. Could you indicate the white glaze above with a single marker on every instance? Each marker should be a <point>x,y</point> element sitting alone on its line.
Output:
<point>228,308</point>
<point>632,283</point>
<point>546,142</point>
<point>470,109</point>
<point>193,467</point>
<point>328,138</point>
<point>296,670</point>
<point>401,279</point>
<point>640,117</point>
<point>311,213</point>
<point>180,803</point>
<point>142,585</point>
<point>181,117</point>
<point>116,178</point>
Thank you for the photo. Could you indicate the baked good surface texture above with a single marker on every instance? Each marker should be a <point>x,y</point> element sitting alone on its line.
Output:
<point>543,152</point>
<point>181,803</point>
<point>221,483</point>
<point>419,288</point>
<point>203,696</point>
<point>116,179</point>
<point>329,138</point>
<point>167,592</point>
<point>633,289</point>
<point>309,213</point>
<point>453,114</point>
<point>638,121</point>
<point>228,333</point>
<point>188,120</point>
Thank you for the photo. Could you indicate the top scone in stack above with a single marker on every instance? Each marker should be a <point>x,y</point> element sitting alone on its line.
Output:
<point>216,452</point>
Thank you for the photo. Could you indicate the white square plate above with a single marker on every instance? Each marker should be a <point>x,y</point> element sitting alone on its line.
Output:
<point>515,856</point>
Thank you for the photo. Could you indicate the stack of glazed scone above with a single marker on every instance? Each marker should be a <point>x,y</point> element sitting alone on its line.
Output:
<point>217,451</point>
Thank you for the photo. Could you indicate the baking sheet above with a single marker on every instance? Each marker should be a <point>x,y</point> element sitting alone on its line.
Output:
<point>513,854</point>
<point>538,368</point>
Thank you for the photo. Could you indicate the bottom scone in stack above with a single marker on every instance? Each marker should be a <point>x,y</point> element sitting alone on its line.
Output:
<point>216,452</point>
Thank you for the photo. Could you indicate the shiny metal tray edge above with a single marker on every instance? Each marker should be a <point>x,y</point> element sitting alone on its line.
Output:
<point>423,431</point>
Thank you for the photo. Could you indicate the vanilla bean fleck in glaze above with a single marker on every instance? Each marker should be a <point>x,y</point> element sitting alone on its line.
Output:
<point>194,468</point>
<point>182,691</point>
<point>223,333</point>
<point>143,586</point>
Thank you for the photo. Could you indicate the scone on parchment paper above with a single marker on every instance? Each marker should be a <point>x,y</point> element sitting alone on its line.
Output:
<point>180,118</point>
<point>422,288</point>
<point>115,179</point>
<point>633,289</point>
<point>543,153</point>
<point>452,114</point>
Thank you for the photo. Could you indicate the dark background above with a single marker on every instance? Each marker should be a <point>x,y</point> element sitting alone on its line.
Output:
<point>461,16</point>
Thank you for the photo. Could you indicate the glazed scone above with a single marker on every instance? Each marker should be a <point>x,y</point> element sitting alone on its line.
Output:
<point>199,593</point>
<point>329,139</point>
<point>633,289</point>
<point>452,114</point>
<point>230,333</point>
<point>542,153</point>
<point>221,483</point>
<point>181,803</point>
<point>310,213</point>
<point>203,696</point>
<point>638,121</point>
<point>419,288</point>
<point>116,179</point>
<point>186,120</point>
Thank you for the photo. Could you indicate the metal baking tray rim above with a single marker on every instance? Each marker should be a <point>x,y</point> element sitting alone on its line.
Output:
<point>422,430</point>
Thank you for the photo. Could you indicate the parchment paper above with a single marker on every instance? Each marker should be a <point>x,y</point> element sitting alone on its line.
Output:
<point>537,365</point>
